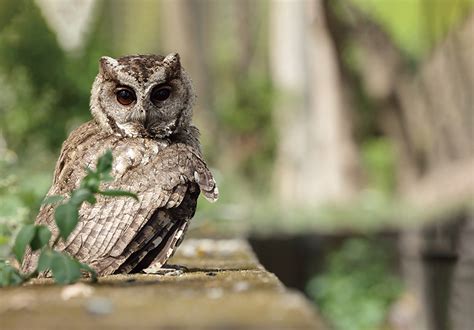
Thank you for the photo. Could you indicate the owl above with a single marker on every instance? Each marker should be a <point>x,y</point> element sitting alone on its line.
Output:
<point>142,109</point>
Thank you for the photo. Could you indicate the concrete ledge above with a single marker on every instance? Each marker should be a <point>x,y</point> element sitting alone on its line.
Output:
<point>224,287</point>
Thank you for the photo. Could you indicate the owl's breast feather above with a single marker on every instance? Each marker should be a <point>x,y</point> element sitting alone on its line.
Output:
<point>133,153</point>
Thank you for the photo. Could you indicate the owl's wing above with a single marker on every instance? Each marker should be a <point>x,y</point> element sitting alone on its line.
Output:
<point>69,170</point>
<point>111,230</point>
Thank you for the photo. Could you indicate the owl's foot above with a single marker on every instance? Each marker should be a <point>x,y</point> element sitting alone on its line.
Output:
<point>168,269</point>
<point>182,268</point>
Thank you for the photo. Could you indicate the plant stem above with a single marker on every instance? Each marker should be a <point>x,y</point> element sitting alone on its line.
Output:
<point>55,241</point>
<point>29,276</point>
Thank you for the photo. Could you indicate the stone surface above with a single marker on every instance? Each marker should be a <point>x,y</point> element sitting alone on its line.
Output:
<point>224,286</point>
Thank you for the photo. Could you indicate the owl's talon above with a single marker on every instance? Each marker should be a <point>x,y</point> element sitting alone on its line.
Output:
<point>167,272</point>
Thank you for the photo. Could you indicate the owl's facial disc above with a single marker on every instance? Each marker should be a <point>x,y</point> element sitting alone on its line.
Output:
<point>142,96</point>
<point>161,119</point>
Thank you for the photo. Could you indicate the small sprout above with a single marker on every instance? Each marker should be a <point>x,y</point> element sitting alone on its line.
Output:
<point>9,276</point>
<point>66,217</point>
<point>82,195</point>
<point>41,237</point>
<point>23,239</point>
<point>65,269</point>
<point>104,164</point>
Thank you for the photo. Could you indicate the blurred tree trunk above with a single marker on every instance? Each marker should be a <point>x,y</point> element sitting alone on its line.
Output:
<point>243,22</point>
<point>428,115</point>
<point>316,159</point>
<point>126,27</point>
<point>70,20</point>
<point>186,25</point>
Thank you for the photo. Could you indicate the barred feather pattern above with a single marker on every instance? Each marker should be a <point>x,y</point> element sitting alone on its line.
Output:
<point>122,235</point>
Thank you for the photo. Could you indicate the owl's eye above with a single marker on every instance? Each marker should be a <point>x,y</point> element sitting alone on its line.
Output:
<point>160,93</point>
<point>125,96</point>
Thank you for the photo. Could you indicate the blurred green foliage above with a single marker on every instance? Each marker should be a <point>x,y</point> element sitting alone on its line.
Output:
<point>246,112</point>
<point>378,159</point>
<point>47,91</point>
<point>417,25</point>
<point>12,208</point>
<point>65,268</point>
<point>358,288</point>
<point>243,103</point>
<point>45,94</point>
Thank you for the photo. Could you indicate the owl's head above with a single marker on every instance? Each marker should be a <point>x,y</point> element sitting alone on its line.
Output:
<point>142,95</point>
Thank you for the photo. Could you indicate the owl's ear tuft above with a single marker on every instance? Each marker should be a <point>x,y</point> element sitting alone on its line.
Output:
<point>173,62</point>
<point>107,65</point>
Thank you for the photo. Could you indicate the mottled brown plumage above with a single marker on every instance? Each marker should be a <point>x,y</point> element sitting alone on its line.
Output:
<point>156,155</point>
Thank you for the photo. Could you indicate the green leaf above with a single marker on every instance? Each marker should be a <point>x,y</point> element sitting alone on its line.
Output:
<point>41,237</point>
<point>67,275</point>
<point>88,269</point>
<point>65,269</point>
<point>106,177</point>
<point>92,199</point>
<point>66,217</point>
<point>24,237</point>
<point>44,260</point>
<point>53,199</point>
<point>104,164</point>
<point>113,192</point>
<point>81,195</point>
<point>9,276</point>
<point>91,181</point>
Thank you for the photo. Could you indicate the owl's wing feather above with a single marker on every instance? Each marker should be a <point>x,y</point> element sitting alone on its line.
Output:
<point>109,231</point>
<point>67,176</point>
<point>158,249</point>
<point>116,228</point>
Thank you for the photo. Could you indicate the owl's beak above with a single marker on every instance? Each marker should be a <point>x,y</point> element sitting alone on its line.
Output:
<point>168,130</point>
<point>160,131</point>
